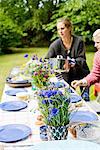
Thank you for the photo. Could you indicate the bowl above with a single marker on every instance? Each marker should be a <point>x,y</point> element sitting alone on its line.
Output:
<point>22,95</point>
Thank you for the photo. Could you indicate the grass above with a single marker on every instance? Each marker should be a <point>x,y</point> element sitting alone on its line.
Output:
<point>8,61</point>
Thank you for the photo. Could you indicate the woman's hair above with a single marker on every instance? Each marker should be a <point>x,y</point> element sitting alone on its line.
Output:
<point>96,34</point>
<point>66,21</point>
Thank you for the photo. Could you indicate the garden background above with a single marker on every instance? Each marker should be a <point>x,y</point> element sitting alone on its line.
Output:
<point>28,26</point>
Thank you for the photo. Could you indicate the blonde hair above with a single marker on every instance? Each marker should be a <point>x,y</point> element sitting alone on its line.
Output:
<point>66,22</point>
<point>96,34</point>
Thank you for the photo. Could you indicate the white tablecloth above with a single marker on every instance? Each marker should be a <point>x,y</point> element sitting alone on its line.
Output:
<point>28,117</point>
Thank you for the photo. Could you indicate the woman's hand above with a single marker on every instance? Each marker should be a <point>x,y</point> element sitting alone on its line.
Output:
<point>66,65</point>
<point>77,83</point>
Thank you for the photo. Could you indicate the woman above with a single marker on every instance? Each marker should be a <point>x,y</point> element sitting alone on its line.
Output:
<point>70,47</point>
<point>94,76</point>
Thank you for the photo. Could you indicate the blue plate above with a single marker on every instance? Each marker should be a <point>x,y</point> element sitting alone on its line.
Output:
<point>70,90</point>
<point>58,84</point>
<point>13,105</point>
<point>13,92</point>
<point>75,98</point>
<point>14,132</point>
<point>83,116</point>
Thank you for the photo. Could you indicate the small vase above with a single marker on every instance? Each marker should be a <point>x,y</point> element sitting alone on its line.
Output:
<point>57,133</point>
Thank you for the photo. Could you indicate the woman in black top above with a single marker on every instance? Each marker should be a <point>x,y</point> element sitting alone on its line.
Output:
<point>73,47</point>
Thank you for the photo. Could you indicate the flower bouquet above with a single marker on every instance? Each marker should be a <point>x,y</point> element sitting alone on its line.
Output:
<point>54,106</point>
<point>40,71</point>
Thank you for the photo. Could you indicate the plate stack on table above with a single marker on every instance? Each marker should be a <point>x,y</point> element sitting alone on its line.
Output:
<point>16,83</point>
<point>17,78</point>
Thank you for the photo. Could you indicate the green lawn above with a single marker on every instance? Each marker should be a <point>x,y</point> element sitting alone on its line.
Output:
<point>15,59</point>
<point>7,62</point>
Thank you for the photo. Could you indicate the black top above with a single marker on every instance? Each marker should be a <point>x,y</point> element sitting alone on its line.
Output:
<point>77,51</point>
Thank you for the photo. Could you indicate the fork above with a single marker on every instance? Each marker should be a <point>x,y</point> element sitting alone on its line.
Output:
<point>59,76</point>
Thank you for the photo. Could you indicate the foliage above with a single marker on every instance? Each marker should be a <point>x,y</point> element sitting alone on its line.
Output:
<point>10,33</point>
<point>54,106</point>
<point>84,14</point>
<point>30,16</point>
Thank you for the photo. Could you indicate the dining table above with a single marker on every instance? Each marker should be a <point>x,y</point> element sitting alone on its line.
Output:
<point>28,116</point>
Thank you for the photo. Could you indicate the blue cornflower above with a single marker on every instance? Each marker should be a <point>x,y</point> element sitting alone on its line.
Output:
<point>49,93</point>
<point>26,55</point>
<point>47,101</point>
<point>54,92</point>
<point>67,100</point>
<point>49,118</point>
<point>54,112</point>
<point>59,92</point>
<point>40,59</point>
<point>51,65</point>
<point>46,93</point>
<point>70,91</point>
<point>44,101</point>
<point>50,101</point>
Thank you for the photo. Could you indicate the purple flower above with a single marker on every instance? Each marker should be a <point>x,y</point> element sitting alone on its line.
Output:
<point>51,65</point>
<point>46,76</point>
<point>36,58</point>
<point>52,71</point>
<point>35,73</point>
<point>26,56</point>
<point>40,59</point>
<point>33,57</point>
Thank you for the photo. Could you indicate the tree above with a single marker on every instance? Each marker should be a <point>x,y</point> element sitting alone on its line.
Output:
<point>84,14</point>
<point>10,33</point>
<point>31,16</point>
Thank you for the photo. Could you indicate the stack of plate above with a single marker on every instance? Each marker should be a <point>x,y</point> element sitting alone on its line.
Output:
<point>18,83</point>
